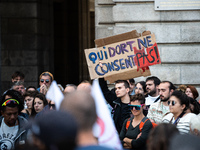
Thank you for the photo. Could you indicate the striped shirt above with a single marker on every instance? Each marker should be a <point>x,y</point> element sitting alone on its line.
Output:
<point>184,123</point>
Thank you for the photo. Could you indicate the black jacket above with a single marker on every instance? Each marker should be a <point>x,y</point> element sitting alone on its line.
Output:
<point>121,111</point>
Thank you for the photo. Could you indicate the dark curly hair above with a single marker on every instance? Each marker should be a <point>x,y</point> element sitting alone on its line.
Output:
<point>138,97</point>
<point>143,85</point>
<point>182,97</point>
<point>14,95</point>
<point>196,109</point>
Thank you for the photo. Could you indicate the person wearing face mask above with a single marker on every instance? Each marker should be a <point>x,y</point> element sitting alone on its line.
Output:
<point>159,109</point>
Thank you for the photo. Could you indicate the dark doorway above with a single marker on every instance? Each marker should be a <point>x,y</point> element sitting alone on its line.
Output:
<point>74,31</point>
<point>66,41</point>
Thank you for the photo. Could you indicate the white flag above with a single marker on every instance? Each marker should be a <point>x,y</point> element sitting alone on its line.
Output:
<point>54,93</point>
<point>104,129</point>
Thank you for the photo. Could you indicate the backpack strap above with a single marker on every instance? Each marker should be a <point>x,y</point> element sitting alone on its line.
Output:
<point>142,123</point>
<point>157,99</point>
<point>128,123</point>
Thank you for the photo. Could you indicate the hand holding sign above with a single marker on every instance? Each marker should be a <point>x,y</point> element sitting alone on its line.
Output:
<point>123,59</point>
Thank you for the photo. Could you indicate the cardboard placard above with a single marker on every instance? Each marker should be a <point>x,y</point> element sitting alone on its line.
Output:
<point>123,56</point>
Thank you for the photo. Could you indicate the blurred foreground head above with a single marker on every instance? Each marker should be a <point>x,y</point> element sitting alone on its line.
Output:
<point>185,142</point>
<point>56,130</point>
<point>159,137</point>
<point>82,106</point>
<point>84,86</point>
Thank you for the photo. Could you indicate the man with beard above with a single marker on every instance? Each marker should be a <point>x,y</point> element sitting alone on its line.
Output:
<point>159,109</point>
<point>152,91</point>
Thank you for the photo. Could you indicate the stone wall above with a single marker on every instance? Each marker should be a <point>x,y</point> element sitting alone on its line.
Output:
<point>177,34</point>
<point>26,33</point>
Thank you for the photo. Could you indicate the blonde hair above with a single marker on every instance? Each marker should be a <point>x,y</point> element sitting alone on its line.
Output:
<point>46,73</point>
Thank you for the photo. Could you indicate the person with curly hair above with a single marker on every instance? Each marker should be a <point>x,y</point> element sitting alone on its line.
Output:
<point>12,125</point>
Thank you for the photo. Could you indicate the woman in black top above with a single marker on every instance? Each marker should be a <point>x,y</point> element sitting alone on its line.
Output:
<point>133,135</point>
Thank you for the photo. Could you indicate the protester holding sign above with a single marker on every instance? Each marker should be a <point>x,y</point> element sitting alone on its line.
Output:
<point>118,100</point>
<point>123,56</point>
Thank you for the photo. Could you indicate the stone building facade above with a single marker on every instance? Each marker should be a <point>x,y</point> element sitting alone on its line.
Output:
<point>41,35</point>
<point>177,34</point>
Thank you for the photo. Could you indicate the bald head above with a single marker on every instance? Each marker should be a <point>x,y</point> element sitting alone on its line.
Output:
<point>82,106</point>
<point>70,89</point>
<point>85,86</point>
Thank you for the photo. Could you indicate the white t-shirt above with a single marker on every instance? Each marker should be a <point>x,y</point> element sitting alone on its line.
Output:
<point>150,100</point>
<point>7,136</point>
<point>184,123</point>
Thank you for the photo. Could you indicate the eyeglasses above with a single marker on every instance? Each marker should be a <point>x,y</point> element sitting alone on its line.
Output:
<point>10,101</point>
<point>42,80</point>
<point>173,103</point>
<point>137,107</point>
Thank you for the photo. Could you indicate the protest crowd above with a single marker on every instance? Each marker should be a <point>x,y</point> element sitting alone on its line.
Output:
<point>147,115</point>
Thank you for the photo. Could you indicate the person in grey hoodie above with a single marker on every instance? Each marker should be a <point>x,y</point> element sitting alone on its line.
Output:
<point>12,126</point>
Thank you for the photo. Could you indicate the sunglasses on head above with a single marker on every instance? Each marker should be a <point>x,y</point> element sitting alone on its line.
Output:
<point>172,102</point>
<point>137,107</point>
<point>42,80</point>
<point>10,101</point>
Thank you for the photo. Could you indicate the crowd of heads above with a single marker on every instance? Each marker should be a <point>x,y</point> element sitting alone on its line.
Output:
<point>52,129</point>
